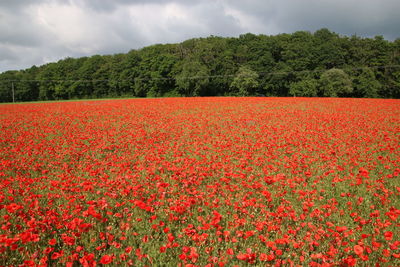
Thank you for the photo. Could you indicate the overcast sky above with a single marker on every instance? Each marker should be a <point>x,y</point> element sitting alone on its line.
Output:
<point>34,32</point>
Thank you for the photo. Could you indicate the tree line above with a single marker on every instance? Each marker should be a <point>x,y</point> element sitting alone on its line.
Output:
<point>322,63</point>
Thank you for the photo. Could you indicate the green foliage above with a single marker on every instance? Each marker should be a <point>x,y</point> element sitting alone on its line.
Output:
<point>245,82</point>
<point>193,79</point>
<point>6,82</point>
<point>214,66</point>
<point>334,83</point>
<point>366,85</point>
<point>139,89</point>
<point>307,86</point>
<point>298,53</point>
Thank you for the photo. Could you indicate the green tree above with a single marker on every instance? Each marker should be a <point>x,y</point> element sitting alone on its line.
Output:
<point>391,80</point>
<point>307,86</point>
<point>140,86</point>
<point>65,73</point>
<point>392,87</point>
<point>298,52</point>
<point>217,55</point>
<point>193,78</point>
<point>245,82</point>
<point>212,66</point>
<point>6,80</point>
<point>48,76</point>
<point>124,70</point>
<point>278,82</point>
<point>334,83</point>
<point>329,50</point>
<point>88,73</point>
<point>366,84</point>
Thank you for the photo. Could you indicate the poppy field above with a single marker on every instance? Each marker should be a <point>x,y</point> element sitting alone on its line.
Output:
<point>201,182</point>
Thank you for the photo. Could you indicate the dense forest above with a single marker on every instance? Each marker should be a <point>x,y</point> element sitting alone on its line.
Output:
<point>322,63</point>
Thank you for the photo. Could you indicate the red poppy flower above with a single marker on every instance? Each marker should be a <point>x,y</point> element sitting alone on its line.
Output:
<point>106,259</point>
<point>388,235</point>
<point>358,249</point>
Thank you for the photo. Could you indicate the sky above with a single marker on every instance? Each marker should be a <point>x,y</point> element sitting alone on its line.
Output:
<point>35,32</point>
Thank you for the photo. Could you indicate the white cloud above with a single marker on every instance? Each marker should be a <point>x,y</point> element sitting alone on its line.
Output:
<point>246,21</point>
<point>74,28</point>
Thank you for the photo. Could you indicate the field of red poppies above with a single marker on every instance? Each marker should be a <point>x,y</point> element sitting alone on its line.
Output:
<point>201,182</point>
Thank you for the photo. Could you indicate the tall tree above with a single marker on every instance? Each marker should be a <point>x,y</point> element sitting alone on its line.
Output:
<point>245,82</point>
<point>90,78</point>
<point>334,83</point>
<point>366,84</point>
<point>305,86</point>
<point>6,86</point>
<point>298,52</point>
<point>193,78</point>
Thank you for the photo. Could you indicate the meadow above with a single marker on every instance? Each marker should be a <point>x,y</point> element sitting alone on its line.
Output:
<point>201,182</point>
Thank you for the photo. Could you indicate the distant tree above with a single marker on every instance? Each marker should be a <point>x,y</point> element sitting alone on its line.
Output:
<point>391,79</point>
<point>298,52</point>
<point>6,79</point>
<point>307,86</point>
<point>393,84</point>
<point>278,82</point>
<point>48,76</point>
<point>334,83</point>
<point>125,69</point>
<point>217,54</point>
<point>245,82</point>
<point>88,73</point>
<point>140,86</point>
<point>193,78</point>
<point>329,50</point>
<point>212,66</point>
<point>366,85</point>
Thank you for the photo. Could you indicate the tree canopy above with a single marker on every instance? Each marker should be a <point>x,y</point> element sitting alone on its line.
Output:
<point>245,82</point>
<point>322,63</point>
<point>334,83</point>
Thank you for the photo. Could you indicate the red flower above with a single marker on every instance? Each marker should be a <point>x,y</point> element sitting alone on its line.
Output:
<point>171,238</point>
<point>128,250</point>
<point>341,229</point>
<point>376,245</point>
<point>106,259</point>
<point>388,235</point>
<point>358,249</point>
<point>263,257</point>
<point>270,257</point>
<point>56,255</point>
<point>13,207</point>
<point>242,256</point>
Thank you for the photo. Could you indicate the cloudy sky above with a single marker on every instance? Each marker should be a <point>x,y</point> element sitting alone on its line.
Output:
<point>34,32</point>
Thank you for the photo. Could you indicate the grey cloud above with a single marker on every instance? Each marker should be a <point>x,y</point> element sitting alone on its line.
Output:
<point>111,5</point>
<point>363,17</point>
<point>15,4</point>
<point>87,27</point>
<point>6,54</point>
<point>16,28</point>
<point>209,19</point>
<point>367,18</point>
<point>218,23</point>
<point>12,57</point>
